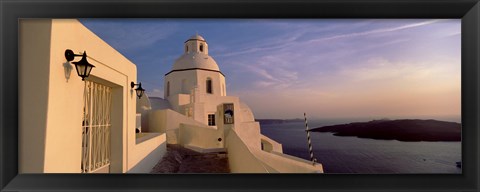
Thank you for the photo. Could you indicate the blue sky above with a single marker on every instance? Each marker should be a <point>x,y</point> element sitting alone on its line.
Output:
<point>329,68</point>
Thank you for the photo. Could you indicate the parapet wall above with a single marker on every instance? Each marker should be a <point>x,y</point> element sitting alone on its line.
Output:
<point>168,121</point>
<point>243,158</point>
<point>148,153</point>
<point>240,159</point>
<point>200,136</point>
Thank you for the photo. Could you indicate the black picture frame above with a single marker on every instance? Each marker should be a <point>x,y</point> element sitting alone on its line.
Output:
<point>11,11</point>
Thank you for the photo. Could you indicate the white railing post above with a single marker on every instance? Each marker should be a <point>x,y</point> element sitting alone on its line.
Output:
<point>90,128</point>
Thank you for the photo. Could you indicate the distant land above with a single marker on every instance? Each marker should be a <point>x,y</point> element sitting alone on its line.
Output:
<point>277,121</point>
<point>401,130</point>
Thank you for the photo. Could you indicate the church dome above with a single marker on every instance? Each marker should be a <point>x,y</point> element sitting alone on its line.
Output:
<point>247,113</point>
<point>195,56</point>
<point>196,37</point>
<point>195,60</point>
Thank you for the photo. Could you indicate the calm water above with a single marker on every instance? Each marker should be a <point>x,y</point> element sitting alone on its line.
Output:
<point>356,155</point>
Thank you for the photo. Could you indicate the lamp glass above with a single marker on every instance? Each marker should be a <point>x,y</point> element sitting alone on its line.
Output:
<point>88,70</point>
<point>80,70</point>
<point>139,92</point>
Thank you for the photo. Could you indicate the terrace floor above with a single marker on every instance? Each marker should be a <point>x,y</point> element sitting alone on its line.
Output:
<point>182,160</point>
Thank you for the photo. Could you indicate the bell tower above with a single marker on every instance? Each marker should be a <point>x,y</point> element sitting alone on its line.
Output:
<point>195,81</point>
<point>196,44</point>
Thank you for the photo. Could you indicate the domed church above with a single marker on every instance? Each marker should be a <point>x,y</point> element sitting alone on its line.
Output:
<point>194,73</point>
<point>196,113</point>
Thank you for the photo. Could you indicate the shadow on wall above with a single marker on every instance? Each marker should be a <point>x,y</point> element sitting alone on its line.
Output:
<point>146,164</point>
<point>68,70</point>
<point>34,38</point>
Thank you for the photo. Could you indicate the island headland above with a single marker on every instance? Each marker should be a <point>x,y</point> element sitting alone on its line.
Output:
<point>401,130</point>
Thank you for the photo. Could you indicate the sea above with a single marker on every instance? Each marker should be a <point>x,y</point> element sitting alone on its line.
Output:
<point>365,156</point>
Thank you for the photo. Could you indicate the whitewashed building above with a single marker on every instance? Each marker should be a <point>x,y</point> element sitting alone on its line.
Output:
<point>67,125</point>
<point>99,125</point>
<point>197,114</point>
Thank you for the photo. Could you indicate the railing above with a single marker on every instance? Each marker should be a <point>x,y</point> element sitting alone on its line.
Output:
<point>96,127</point>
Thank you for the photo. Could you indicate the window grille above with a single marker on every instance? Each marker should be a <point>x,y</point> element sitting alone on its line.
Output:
<point>96,127</point>
<point>211,119</point>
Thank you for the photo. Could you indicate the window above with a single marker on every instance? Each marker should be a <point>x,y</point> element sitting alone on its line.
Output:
<point>209,86</point>
<point>168,88</point>
<point>211,119</point>
<point>201,48</point>
<point>96,127</point>
<point>186,48</point>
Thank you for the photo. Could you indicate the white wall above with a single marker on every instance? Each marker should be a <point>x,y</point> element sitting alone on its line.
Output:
<point>240,159</point>
<point>271,145</point>
<point>33,68</point>
<point>175,79</point>
<point>194,78</point>
<point>148,153</point>
<point>284,163</point>
<point>200,136</point>
<point>52,96</point>
<point>168,121</point>
<point>143,106</point>
<point>250,133</point>
<point>176,101</point>
<point>243,158</point>
<point>217,81</point>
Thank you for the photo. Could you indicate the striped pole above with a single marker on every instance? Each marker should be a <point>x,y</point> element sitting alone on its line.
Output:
<point>314,160</point>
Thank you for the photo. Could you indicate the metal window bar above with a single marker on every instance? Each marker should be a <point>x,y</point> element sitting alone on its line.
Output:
<point>96,127</point>
<point>211,119</point>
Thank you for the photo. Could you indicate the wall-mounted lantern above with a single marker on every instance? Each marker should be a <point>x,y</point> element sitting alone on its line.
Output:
<point>139,90</point>
<point>83,67</point>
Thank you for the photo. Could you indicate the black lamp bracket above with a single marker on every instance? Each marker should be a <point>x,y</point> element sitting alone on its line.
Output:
<point>132,84</point>
<point>69,55</point>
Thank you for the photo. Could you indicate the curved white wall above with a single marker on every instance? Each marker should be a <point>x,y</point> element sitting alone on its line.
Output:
<point>182,82</point>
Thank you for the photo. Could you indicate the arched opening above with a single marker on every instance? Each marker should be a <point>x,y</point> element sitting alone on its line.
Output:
<point>186,48</point>
<point>209,86</point>
<point>184,86</point>
<point>201,47</point>
<point>168,88</point>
